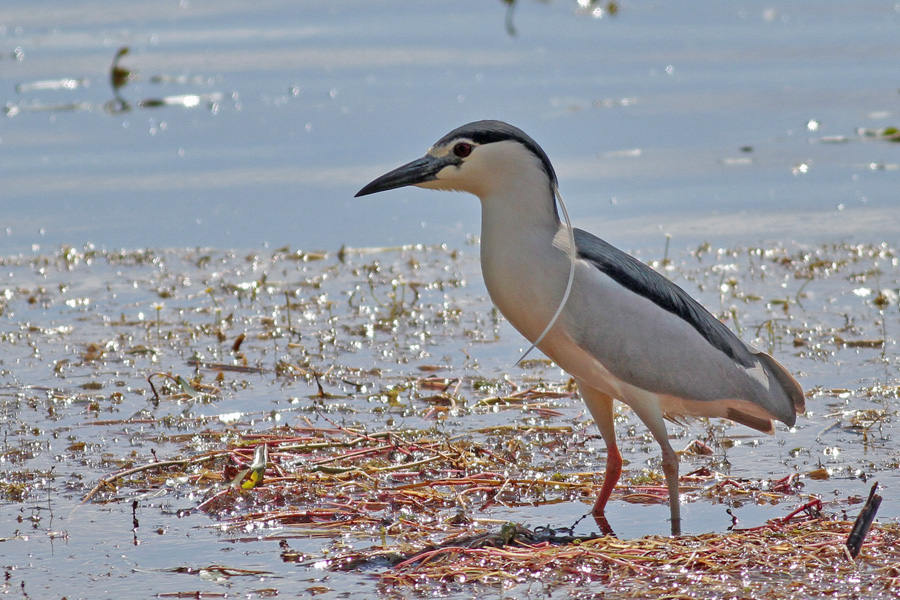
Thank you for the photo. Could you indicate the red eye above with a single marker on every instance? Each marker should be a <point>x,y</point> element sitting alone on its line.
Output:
<point>462,149</point>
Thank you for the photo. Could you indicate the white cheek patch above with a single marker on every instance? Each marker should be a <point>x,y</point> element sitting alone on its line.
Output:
<point>446,171</point>
<point>432,184</point>
<point>438,152</point>
<point>444,180</point>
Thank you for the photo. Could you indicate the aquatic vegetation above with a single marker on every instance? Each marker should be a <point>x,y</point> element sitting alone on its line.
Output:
<point>399,439</point>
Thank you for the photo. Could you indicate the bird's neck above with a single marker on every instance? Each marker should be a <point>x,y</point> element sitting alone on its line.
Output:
<point>521,258</point>
<point>523,208</point>
<point>516,224</point>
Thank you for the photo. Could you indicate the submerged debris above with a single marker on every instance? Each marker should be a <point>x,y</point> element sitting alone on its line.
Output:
<point>366,404</point>
<point>779,560</point>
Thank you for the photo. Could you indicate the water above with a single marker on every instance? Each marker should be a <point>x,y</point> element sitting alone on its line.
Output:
<point>245,129</point>
<point>644,114</point>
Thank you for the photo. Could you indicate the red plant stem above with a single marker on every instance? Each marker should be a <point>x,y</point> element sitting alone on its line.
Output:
<point>817,504</point>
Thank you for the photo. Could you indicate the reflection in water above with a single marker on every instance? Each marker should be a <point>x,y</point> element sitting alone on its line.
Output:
<point>119,77</point>
<point>186,100</point>
<point>53,84</point>
<point>589,7</point>
<point>11,110</point>
<point>510,6</point>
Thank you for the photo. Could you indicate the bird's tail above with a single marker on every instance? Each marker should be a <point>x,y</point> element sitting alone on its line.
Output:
<point>790,386</point>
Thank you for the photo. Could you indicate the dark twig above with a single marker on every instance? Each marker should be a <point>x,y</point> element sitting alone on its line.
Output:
<point>863,522</point>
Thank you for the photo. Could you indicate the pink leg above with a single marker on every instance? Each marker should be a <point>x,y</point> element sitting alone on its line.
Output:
<point>646,406</point>
<point>610,478</point>
<point>670,470</point>
<point>601,407</point>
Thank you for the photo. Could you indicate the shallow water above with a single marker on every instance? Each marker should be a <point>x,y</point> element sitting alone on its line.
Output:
<point>245,130</point>
<point>86,331</point>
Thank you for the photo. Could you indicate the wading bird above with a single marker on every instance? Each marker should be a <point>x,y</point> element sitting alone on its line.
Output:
<point>622,330</point>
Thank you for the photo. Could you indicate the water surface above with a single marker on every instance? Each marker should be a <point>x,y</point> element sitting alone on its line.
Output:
<point>246,129</point>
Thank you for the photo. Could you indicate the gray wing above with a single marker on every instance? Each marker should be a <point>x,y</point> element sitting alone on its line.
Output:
<point>782,397</point>
<point>634,275</point>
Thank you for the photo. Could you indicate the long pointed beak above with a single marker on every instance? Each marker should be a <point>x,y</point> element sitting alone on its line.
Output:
<point>418,171</point>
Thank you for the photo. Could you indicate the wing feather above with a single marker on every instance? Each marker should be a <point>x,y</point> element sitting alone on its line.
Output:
<point>727,370</point>
<point>634,275</point>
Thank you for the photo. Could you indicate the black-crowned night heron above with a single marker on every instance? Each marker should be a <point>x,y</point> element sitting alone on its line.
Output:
<point>623,331</point>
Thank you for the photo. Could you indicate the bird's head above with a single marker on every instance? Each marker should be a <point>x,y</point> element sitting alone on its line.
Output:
<point>482,158</point>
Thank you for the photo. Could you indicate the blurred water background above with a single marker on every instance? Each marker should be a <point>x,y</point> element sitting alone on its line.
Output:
<point>240,126</point>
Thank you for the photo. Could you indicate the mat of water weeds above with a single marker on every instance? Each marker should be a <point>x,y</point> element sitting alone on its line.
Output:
<point>405,452</point>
